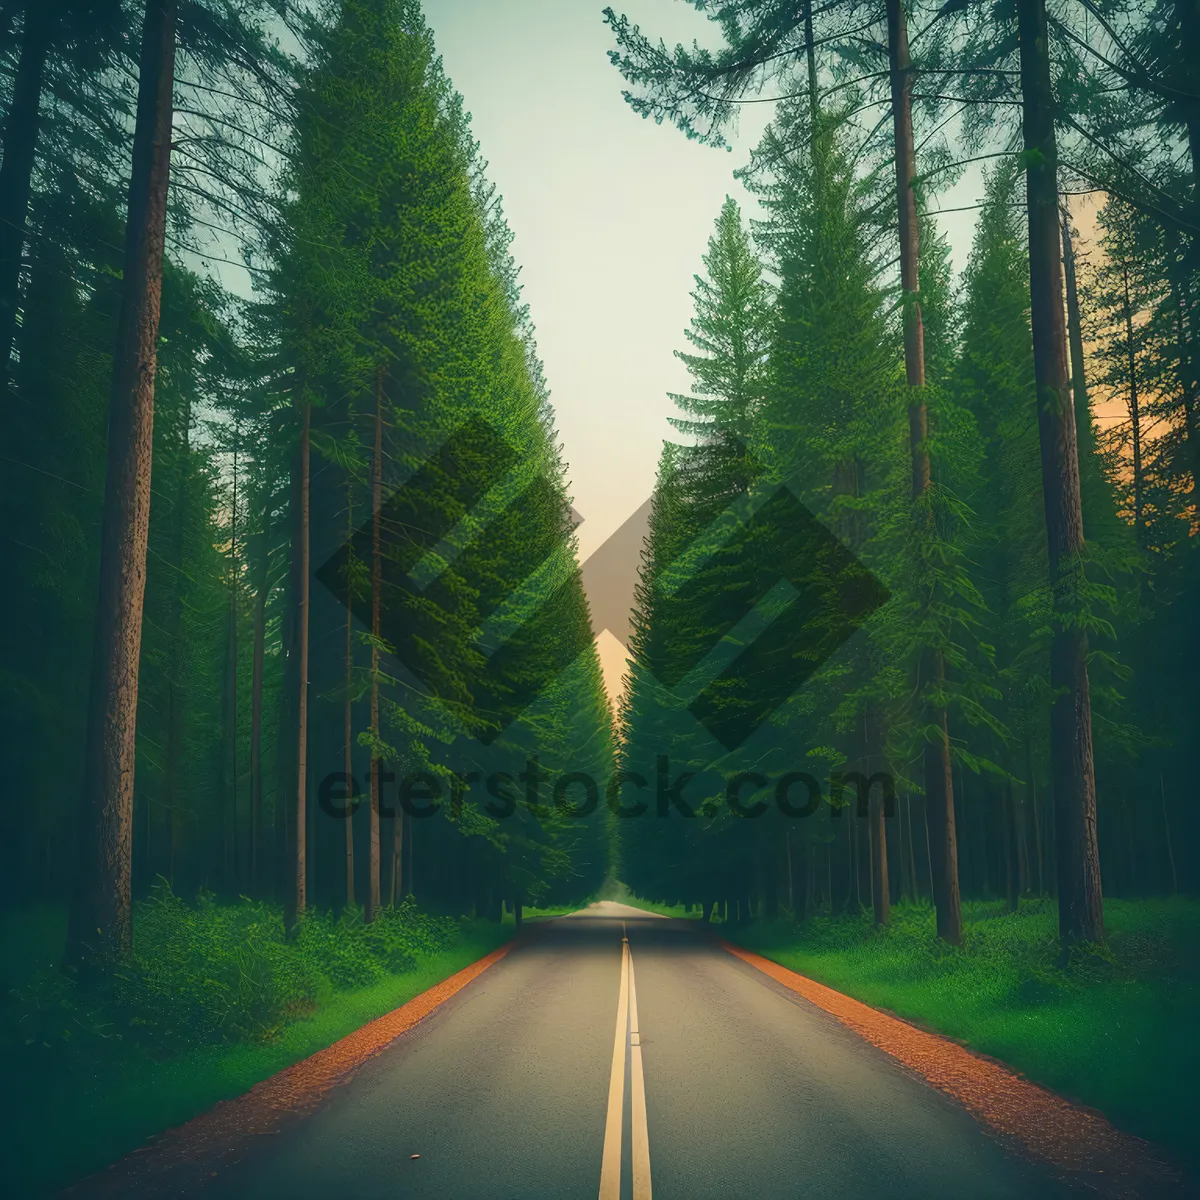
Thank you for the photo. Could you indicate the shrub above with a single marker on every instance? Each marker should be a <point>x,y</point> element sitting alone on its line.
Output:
<point>214,973</point>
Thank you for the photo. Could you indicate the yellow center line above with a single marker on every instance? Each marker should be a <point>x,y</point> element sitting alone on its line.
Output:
<point>640,1137</point>
<point>626,1039</point>
<point>610,1168</point>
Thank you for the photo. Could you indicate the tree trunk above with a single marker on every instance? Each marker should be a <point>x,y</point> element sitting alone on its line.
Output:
<point>811,55</point>
<point>397,890</point>
<point>939,785</point>
<point>1022,826</point>
<point>1187,383</point>
<point>875,735</point>
<point>880,887</point>
<point>410,874</point>
<point>1189,44</point>
<point>372,904</point>
<point>1034,818</point>
<point>1084,431</point>
<point>1012,853</point>
<point>101,917</point>
<point>943,838</point>
<point>297,892</point>
<point>262,566</point>
<point>1135,416</point>
<point>233,869</point>
<point>176,707</point>
<point>16,167</point>
<point>1081,917</point>
<point>914,887</point>
<point>348,700</point>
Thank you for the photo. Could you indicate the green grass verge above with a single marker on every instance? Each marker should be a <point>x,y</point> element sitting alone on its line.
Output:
<point>1115,1029</point>
<point>66,1123</point>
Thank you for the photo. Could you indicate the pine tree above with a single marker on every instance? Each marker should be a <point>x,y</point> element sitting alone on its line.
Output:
<point>690,583</point>
<point>101,918</point>
<point>1081,917</point>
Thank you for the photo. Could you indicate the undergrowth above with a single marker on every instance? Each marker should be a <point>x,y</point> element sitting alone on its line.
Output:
<point>213,1000</point>
<point>216,974</point>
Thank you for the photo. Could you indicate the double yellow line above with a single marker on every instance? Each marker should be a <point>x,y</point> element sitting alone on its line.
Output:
<point>626,1040</point>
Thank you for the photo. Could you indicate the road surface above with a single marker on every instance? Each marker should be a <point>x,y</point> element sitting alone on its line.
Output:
<point>524,1085</point>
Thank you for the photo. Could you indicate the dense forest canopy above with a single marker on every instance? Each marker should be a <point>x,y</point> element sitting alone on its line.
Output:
<point>302,713</point>
<point>1011,453</point>
<point>250,568</point>
<point>303,547</point>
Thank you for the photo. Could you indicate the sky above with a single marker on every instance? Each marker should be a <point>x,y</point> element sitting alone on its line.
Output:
<point>610,215</point>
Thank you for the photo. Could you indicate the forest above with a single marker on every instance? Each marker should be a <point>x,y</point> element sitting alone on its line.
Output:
<point>289,542</point>
<point>1010,454</point>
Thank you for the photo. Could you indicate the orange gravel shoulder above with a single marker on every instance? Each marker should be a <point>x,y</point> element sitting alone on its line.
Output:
<point>1077,1142</point>
<point>182,1156</point>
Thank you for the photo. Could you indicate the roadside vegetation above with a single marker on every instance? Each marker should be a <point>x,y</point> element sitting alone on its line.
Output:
<point>213,999</point>
<point>242,905</point>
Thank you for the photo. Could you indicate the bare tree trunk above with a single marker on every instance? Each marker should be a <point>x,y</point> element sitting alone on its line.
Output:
<point>943,837</point>
<point>1035,818</point>
<point>1188,12</point>
<point>176,708</point>
<point>1081,916</point>
<point>408,847</point>
<point>1012,853</point>
<point>1022,827</point>
<point>880,887</point>
<point>16,167</point>
<point>234,865</point>
<point>1187,383</point>
<point>811,56</point>
<point>928,848</point>
<point>297,893</point>
<point>1083,411</point>
<point>1135,416</point>
<point>372,904</point>
<point>397,888</point>
<point>914,888</point>
<point>875,735</point>
<point>939,786</point>
<point>101,915</point>
<point>348,699</point>
<point>791,879</point>
<point>262,566</point>
<point>854,900</point>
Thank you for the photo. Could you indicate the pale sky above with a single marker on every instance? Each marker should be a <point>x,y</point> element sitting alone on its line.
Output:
<point>611,215</point>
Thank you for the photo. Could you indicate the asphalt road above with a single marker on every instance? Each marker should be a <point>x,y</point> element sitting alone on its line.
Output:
<point>750,1091</point>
